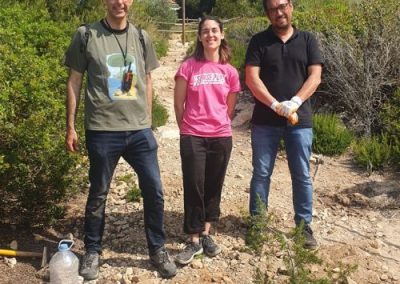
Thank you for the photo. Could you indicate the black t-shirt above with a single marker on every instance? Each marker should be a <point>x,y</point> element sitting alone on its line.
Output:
<point>283,70</point>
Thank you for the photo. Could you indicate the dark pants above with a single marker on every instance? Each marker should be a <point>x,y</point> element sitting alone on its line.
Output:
<point>204,163</point>
<point>139,149</point>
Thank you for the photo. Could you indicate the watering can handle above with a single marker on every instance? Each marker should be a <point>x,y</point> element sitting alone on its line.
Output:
<point>69,243</point>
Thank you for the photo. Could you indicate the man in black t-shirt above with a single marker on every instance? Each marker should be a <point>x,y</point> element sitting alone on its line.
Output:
<point>283,70</point>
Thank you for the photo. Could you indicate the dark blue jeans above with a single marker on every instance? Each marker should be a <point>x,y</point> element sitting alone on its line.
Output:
<point>139,149</point>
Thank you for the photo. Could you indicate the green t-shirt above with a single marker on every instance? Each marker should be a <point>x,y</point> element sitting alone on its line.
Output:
<point>108,105</point>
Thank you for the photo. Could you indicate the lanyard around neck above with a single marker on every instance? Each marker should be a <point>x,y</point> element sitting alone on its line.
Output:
<point>124,54</point>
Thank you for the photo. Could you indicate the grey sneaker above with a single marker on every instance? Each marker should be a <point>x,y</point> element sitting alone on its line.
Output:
<point>309,241</point>
<point>165,266</point>
<point>190,251</point>
<point>209,246</point>
<point>90,266</point>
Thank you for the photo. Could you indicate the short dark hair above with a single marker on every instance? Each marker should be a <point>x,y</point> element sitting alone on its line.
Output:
<point>266,7</point>
<point>224,50</point>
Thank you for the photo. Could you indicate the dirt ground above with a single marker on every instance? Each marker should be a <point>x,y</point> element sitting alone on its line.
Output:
<point>356,216</point>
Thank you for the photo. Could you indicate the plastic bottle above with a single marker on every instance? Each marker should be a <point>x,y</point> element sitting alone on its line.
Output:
<point>64,265</point>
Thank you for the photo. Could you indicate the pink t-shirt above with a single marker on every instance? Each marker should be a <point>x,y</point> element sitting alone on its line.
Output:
<point>206,110</point>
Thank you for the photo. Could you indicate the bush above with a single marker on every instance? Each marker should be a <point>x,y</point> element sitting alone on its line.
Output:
<point>238,34</point>
<point>362,61</point>
<point>161,47</point>
<point>159,11</point>
<point>36,173</point>
<point>238,8</point>
<point>146,14</point>
<point>159,113</point>
<point>390,119</point>
<point>331,137</point>
<point>133,195</point>
<point>373,153</point>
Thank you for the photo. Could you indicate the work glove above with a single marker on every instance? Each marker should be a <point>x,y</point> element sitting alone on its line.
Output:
<point>289,107</point>
<point>276,107</point>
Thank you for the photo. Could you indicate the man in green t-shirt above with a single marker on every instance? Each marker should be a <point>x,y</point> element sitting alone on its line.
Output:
<point>118,97</point>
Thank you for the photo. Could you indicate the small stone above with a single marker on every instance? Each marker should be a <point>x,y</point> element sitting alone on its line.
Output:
<point>350,281</point>
<point>11,262</point>
<point>283,270</point>
<point>336,270</point>
<point>227,280</point>
<point>38,237</point>
<point>384,277</point>
<point>314,269</point>
<point>196,264</point>
<point>374,244</point>
<point>14,245</point>
<point>69,236</point>
<point>129,271</point>
<point>239,176</point>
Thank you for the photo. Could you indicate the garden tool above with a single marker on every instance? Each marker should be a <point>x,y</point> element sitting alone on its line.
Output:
<point>18,253</point>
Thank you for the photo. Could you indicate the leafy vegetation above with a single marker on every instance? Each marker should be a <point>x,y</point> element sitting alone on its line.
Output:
<point>238,8</point>
<point>262,239</point>
<point>257,228</point>
<point>331,137</point>
<point>159,113</point>
<point>36,173</point>
<point>238,34</point>
<point>373,153</point>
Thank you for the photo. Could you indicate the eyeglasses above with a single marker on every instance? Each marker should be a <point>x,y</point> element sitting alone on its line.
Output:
<point>281,8</point>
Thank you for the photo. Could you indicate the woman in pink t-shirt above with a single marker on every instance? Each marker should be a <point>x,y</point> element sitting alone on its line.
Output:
<point>205,96</point>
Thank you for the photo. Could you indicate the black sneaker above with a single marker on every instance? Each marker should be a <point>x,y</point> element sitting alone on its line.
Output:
<point>165,266</point>
<point>190,251</point>
<point>209,246</point>
<point>309,241</point>
<point>90,266</point>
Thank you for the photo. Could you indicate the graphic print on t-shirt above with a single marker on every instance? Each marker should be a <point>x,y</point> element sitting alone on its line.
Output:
<point>122,80</point>
<point>208,79</point>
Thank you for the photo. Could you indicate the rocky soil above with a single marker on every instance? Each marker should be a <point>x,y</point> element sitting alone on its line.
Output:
<point>356,216</point>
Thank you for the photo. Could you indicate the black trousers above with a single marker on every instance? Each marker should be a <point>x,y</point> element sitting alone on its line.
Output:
<point>204,163</point>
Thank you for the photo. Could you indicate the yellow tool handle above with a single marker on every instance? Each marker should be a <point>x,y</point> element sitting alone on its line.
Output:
<point>12,253</point>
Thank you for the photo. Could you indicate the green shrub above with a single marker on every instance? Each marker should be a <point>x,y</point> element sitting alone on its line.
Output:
<point>325,17</point>
<point>238,34</point>
<point>257,228</point>
<point>159,11</point>
<point>331,137</point>
<point>161,47</point>
<point>298,259</point>
<point>360,48</point>
<point>159,113</point>
<point>134,195</point>
<point>238,8</point>
<point>390,120</point>
<point>36,173</point>
<point>373,153</point>
<point>146,14</point>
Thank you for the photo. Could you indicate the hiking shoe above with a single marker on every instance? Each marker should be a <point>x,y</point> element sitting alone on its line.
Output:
<point>209,246</point>
<point>309,241</point>
<point>90,266</point>
<point>189,252</point>
<point>165,266</point>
